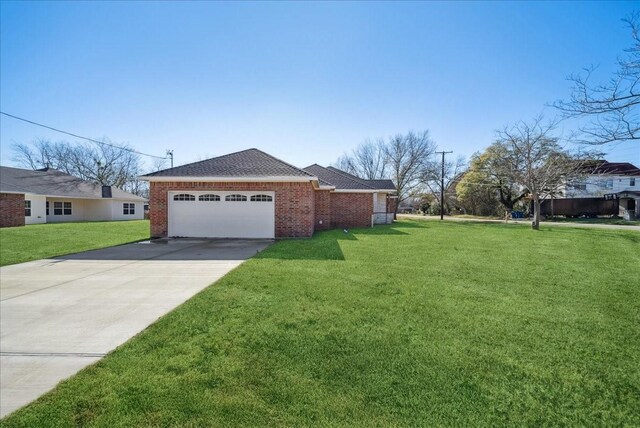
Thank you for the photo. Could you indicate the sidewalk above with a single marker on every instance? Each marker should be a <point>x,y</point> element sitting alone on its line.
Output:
<point>522,221</point>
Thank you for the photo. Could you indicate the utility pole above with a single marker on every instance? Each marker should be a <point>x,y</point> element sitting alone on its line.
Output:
<point>170,154</point>
<point>442,186</point>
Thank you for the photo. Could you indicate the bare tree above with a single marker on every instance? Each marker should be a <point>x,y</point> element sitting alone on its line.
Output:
<point>102,164</point>
<point>368,160</point>
<point>407,158</point>
<point>613,107</point>
<point>530,156</point>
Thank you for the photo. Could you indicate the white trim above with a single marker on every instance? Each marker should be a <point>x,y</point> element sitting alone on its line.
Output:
<point>326,187</point>
<point>85,197</point>
<point>274,179</point>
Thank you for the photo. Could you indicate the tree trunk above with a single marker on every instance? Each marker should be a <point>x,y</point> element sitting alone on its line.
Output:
<point>535,224</point>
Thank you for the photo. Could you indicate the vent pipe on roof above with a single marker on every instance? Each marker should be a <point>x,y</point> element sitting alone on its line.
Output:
<point>106,191</point>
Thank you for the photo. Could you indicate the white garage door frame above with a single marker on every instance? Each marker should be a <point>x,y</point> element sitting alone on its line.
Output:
<point>223,218</point>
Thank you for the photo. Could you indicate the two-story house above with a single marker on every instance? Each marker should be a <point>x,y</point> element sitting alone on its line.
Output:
<point>609,180</point>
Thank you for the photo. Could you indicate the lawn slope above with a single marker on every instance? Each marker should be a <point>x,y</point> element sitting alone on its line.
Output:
<point>39,241</point>
<point>415,324</point>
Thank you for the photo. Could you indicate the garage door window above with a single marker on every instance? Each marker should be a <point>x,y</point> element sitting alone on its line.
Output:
<point>209,197</point>
<point>235,198</point>
<point>184,197</point>
<point>261,198</point>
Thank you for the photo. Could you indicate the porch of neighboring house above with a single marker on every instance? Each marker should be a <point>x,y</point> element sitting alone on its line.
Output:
<point>628,203</point>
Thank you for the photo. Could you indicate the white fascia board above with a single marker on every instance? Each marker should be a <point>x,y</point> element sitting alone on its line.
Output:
<point>84,197</point>
<point>326,187</point>
<point>274,179</point>
<point>15,192</point>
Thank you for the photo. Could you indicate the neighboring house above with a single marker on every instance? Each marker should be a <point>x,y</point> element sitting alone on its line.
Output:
<point>251,194</point>
<point>49,196</point>
<point>610,180</point>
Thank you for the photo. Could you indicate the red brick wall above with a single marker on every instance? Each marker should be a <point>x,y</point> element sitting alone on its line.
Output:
<point>323,209</point>
<point>295,212</point>
<point>351,209</point>
<point>391,204</point>
<point>11,210</point>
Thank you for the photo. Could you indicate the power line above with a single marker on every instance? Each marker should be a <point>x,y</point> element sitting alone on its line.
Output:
<point>83,138</point>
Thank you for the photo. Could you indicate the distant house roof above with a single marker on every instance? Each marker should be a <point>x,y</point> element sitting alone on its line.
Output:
<point>51,182</point>
<point>345,181</point>
<point>611,168</point>
<point>246,163</point>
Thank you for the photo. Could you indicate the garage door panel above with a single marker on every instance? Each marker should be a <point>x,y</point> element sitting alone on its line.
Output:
<point>220,218</point>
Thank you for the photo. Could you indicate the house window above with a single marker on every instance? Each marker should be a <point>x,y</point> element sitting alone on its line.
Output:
<point>57,208</point>
<point>209,197</point>
<point>128,208</point>
<point>27,208</point>
<point>632,182</point>
<point>577,185</point>
<point>609,184</point>
<point>184,197</point>
<point>67,208</point>
<point>235,198</point>
<point>46,204</point>
<point>261,198</point>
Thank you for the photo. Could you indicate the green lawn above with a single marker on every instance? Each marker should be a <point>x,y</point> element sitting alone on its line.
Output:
<point>38,241</point>
<point>601,220</point>
<point>415,324</point>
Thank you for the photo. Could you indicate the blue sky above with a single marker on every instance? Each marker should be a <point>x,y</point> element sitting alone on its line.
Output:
<point>303,81</point>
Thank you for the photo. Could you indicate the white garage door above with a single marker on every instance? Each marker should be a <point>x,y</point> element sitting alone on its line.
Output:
<point>226,214</point>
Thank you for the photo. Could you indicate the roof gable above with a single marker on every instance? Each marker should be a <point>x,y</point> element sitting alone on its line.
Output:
<point>246,163</point>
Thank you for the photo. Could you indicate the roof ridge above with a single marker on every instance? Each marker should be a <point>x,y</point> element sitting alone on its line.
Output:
<point>280,160</point>
<point>206,160</point>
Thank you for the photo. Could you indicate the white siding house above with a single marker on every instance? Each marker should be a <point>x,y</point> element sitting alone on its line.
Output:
<point>619,181</point>
<point>51,196</point>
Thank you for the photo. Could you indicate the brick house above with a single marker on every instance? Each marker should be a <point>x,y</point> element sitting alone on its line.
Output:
<point>251,194</point>
<point>50,196</point>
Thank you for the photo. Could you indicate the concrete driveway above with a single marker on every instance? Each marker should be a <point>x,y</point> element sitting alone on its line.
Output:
<point>60,315</point>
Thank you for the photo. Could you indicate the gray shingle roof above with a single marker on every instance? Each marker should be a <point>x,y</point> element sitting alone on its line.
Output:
<point>51,182</point>
<point>247,163</point>
<point>611,168</point>
<point>335,179</point>
<point>381,184</point>
<point>345,181</point>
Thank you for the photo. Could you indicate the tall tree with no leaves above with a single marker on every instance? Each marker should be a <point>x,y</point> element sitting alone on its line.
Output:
<point>407,158</point>
<point>102,164</point>
<point>368,160</point>
<point>613,107</point>
<point>530,156</point>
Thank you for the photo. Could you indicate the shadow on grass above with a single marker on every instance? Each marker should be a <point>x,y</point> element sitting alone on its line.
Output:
<point>326,245</point>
